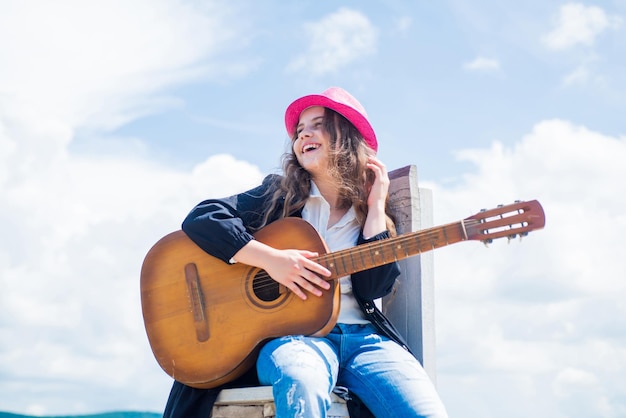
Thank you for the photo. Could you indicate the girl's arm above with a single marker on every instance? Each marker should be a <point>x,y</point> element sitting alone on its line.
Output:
<point>221,227</point>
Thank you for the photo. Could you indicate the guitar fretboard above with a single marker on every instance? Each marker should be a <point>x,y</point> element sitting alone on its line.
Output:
<point>377,253</point>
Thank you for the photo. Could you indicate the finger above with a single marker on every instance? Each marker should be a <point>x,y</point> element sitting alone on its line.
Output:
<point>312,265</point>
<point>374,162</point>
<point>299,286</point>
<point>316,280</point>
<point>305,284</point>
<point>317,268</point>
<point>306,280</point>
<point>297,291</point>
<point>379,173</point>
<point>308,254</point>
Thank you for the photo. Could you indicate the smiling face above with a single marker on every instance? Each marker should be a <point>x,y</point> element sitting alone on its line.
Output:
<point>312,144</point>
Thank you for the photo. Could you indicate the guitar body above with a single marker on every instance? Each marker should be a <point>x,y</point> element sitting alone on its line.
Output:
<point>206,320</point>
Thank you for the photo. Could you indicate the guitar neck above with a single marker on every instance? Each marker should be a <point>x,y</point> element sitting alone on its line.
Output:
<point>377,253</point>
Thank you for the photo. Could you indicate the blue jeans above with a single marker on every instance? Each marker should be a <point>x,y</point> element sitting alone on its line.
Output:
<point>304,370</point>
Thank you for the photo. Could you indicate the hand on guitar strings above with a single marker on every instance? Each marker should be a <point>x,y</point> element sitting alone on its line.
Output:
<point>293,269</point>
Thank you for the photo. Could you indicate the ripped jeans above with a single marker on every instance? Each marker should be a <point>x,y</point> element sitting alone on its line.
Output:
<point>304,370</point>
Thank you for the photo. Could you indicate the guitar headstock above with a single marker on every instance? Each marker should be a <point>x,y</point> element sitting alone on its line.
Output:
<point>510,221</point>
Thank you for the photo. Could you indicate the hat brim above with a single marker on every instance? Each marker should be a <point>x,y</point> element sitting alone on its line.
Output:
<point>360,122</point>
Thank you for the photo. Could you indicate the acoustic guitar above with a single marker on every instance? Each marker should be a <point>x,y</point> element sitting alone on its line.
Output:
<point>206,320</point>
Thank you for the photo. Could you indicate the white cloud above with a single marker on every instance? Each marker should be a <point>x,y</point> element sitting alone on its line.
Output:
<point>580,75</point>
<point>531,312</point>
<point>336,41</point>
<point>70,274</point>
<point>578,24</point>
<point>482,64</point>
<point>586,74</point>
<point>571,377</point>
<point>101,63</point>
<point>76,228</point>
<point>404,23</point>
<point>70,271</point>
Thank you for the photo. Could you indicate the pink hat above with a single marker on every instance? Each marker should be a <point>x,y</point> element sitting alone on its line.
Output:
<point>340,101</point>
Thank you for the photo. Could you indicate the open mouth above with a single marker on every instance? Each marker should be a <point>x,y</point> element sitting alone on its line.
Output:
<point>310,147</point>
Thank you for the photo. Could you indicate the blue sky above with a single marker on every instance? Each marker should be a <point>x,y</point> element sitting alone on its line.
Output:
<point>116,118</point>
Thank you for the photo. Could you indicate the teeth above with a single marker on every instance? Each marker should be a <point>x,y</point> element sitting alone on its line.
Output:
<point>309,147</point>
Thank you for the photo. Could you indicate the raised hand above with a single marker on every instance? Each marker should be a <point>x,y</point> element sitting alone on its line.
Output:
<point>375,221</point>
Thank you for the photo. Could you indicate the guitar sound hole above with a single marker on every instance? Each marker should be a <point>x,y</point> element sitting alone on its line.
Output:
<point>265,288</point>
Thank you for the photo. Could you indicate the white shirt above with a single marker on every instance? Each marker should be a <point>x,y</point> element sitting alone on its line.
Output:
<point>342,235</point>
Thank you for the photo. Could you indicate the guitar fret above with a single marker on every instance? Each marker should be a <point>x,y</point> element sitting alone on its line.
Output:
<point>392,255</point>
<point>393,250</point>
<point>345,268</point>
<point>376,253</point>
<point>354,267</point>
<point>333,263</point>
<point>362,258</point>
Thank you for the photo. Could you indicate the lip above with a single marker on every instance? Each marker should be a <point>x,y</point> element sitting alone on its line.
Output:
<point>310,146</point>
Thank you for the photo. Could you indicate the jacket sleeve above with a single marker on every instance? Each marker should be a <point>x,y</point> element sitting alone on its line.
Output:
<point>221,227</point>
<point>376,282</point>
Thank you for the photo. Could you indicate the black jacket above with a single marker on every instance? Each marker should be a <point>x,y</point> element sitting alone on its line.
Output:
<point>221,227</point>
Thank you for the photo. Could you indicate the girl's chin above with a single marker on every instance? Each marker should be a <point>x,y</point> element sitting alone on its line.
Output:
<point>313,167</point>
<point>310,162</point>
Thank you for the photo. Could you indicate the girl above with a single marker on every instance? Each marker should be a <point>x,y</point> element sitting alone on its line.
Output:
<point>333,180</point>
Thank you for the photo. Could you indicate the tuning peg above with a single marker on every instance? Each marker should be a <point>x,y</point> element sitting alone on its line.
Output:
<point>487,242</point>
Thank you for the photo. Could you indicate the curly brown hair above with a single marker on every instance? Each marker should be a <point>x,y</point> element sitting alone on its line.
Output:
<point>348,165</point>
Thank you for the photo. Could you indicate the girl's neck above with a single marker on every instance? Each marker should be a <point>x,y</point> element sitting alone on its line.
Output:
<point>329,190</point>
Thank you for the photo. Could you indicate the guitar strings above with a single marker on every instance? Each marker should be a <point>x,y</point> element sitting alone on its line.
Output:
<point>263,281</point>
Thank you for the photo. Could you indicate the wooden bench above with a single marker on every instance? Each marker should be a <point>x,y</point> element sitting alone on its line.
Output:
<point>258,402</point>
<point>410,306</point>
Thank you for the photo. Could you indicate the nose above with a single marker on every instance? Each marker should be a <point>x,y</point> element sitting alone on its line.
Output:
<point>304,133</point>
